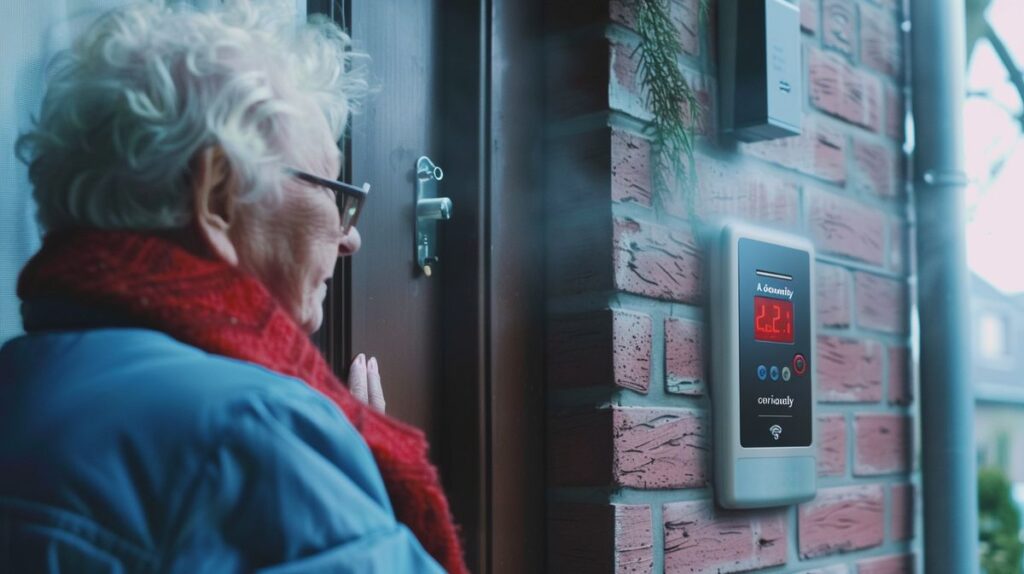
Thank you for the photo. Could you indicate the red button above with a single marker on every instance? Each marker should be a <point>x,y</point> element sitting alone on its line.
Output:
<point>799,364</point>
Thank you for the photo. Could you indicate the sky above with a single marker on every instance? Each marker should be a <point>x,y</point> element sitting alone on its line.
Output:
<point>994,154</point>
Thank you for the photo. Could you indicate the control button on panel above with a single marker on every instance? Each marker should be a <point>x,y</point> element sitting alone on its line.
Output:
<point>775,373</point>
<point>799,364</point>
<point>762,372</point>
<point>786,374</point>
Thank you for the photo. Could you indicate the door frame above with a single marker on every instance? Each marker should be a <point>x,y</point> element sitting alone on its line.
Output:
<point>517,280</point>
<point>493,297</point>
<point>495,345</point>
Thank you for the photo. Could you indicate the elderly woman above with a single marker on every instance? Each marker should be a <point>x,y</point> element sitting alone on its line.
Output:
<point>166,410</point>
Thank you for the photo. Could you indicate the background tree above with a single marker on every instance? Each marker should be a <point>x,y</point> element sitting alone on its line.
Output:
<point>998,524</point>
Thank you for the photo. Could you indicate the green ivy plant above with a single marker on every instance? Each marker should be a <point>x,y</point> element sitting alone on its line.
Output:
<point>670,98</point>
<point>998,524</point>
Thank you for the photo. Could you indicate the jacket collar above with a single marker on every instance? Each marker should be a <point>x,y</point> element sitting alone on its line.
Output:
<point>57,314</point>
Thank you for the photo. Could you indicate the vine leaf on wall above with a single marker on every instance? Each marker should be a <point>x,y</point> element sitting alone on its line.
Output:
<point>671,100</point>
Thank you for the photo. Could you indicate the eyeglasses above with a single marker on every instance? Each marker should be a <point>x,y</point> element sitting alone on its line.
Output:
<point>350,198</point>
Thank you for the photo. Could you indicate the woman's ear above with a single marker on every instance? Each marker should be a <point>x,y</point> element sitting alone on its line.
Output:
<point>214,201</point>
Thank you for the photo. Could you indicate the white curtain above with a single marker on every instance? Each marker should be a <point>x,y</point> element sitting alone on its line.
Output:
<point>31,32</point>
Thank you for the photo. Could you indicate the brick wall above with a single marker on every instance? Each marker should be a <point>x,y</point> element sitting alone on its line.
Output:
<point>629,441</point>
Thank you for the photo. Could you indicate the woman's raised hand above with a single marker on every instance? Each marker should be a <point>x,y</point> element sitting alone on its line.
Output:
<point>364,382</point>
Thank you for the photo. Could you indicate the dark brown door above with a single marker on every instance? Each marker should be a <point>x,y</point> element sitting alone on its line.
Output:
<point>460,351</point>
<point>395,313</point>
<point>426,332</point>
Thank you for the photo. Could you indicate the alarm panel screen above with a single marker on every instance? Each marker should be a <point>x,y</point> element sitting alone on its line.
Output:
<point>775,345</point>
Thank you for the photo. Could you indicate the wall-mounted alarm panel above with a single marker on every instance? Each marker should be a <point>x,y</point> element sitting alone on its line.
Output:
<point>762,360</point>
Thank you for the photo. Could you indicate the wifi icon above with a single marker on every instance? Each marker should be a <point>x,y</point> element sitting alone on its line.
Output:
<point>776,431</point>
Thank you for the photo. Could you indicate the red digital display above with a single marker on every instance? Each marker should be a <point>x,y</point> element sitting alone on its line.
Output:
<point>773,320</point>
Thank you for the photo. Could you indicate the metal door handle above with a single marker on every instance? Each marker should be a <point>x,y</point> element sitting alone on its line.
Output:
<point>440,208</point>
<point>429,210</point>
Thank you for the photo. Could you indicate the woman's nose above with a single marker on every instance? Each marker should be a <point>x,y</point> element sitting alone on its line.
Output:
<point>349,243</point>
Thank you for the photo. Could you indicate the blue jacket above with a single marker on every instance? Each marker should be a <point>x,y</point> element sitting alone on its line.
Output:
<point>124,450</point>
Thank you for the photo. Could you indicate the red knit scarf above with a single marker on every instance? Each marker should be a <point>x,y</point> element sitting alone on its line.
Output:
<point>222,310</point>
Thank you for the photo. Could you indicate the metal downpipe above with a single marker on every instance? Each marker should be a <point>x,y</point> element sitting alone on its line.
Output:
<point>950,496</point>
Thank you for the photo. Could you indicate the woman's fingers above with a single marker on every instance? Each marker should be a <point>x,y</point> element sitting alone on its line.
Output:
<point>375,391</point>
<point>364,382</point>
<point>357,381</point>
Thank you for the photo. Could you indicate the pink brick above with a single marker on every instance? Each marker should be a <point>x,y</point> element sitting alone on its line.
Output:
<point>874,168</point>
<point>881,303</point>
<point>901,564</point>
<point>826,147</point>
<point>600,538</point>
<point>901,502</point>
<point>838,23</point>
<point>634,539</point>
<point>900,391</point>
<point>880,41</point>
<point>843,91</point>
<point>685,14</point>
<point>882,444</point>
<point>831,445</point>
<point>833,295</point>
<point>656,261</point>
<point>625,89</point>
<point>626,93</point>
<point>818,151</point>
<point>846,227</point>
<point>825,74</point>
<point>631,171</point>
<point>849,370</point>
<point>897,246</point>
<point>678,199</point>
<point>862,99</point>
<point>622,12</point>
<point>659,448</point>
<point>684,357</point>
<point>841,519</point>
<point>624,67</point>
<point>595,166</point>
<point>742,191</point>
<point>809,15</point>
<point>600,349</point>
<point>894,113</point>
<point>624,446</point>
<point>631,350</point>
<point>700,538</point>
<point>703,122</point>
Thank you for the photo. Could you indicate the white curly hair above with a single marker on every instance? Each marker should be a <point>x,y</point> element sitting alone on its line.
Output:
<point>148,86</point>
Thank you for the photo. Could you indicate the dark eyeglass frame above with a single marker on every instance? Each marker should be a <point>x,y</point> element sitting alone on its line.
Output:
<point>351,198</point>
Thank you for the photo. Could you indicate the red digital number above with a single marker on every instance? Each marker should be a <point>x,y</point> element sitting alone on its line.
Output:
<point>773,320</point>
